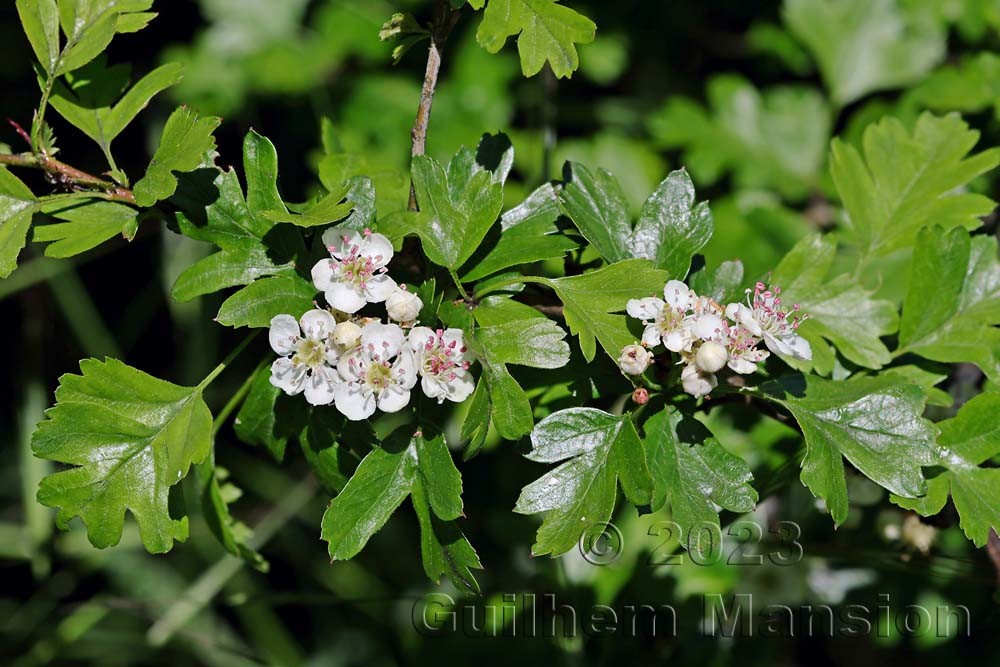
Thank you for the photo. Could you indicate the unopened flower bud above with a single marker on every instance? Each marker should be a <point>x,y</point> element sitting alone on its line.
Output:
<point>697,382</point>
<point>711,357</point>
<point>346,334</point>
<point>640,396</point>
<point>635,359</point>
<point>403,306</point>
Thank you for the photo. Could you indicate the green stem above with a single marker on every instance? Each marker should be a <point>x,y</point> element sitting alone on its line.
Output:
<point>228,360</point>
<point>458,283</point>
<point>513,281</point>
<point>234,400</point>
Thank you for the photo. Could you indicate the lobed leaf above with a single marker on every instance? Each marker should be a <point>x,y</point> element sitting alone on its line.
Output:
<point>127,437</point>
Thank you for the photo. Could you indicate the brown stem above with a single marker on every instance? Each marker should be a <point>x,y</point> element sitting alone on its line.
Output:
<point>444,20</point>
<point>64,174</point>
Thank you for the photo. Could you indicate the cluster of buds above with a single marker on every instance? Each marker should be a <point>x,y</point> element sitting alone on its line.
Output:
<point>360,364</point>
<point>709,337</point>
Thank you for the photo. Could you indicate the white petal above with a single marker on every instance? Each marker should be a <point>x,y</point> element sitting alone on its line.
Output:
<point>345,297</point>
<point>742,366</point>
<point>461,387</point>
<point>334,240</point>
<point>378,288</point>
<point>351,366</point>
<point>378,248</point>
<point>354,401</point>
<point>651,335</point>
<point>287,377</point>
<point>419,338</point>
<point>706,326</point>
<point>383,340</point>
<point>317,324</point>
<point>393,398</point>
<point>404,370</point>
<point>324,274</point>
<point>676,340</point>
<point>744,315</point>
<point>320,386</point>
<point>645,309</point>
<point>434,388</point>
<point>677,294</point>
<point>696,382</point>
<point>791,345</point>
<point>283,334</point>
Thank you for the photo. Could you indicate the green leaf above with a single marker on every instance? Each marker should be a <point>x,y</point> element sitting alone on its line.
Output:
<point>379,485</point>
<point>670,228</point>
<point>93,102</point>
<point>969,439</point>
<point>906,181</point>
<point>529,235</point>
<point>40,20</point>
<point>17,205</point>
<point>970,86</point>
<point>258,302</point>
<point>876,423</point>
<point>185,140</point>
<point>457,207</point>
<point>590,300</point>
<point>89,224</point>
<point>327,209</point>
<point>229,268</point>
<point>598,208</point>
<point>215,496</point>
<point>774,139</point>
<point>438,476</point>
<point>90,26</point>
<point>866,45</point>
<point>598,450</point>
<point>953,304</point>
<point>444,549</point>
<point>839,310</point>
<point>547,31</point>
<point>535,342</point>
<point>693,472</point>
<point>321,439</point>
<point>725,285</point>
<point>213,209</point>
<point>476,426</point>
<point>387,475</point>
<point>128,438</point>
<point>257,421</point>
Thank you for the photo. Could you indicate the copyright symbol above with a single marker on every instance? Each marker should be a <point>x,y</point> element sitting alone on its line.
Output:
<point>601,544</point>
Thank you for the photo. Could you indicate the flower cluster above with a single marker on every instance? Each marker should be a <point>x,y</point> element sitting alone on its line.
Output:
<point>361,364</point>
<point>709,337</point>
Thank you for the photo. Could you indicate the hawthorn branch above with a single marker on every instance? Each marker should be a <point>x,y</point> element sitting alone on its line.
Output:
<point>63,174</point>
<point>444,20</point>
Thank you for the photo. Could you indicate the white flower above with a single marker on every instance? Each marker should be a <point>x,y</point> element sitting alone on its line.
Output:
<point>347,334</point>
<point>697,382</point>
<point>307,356</point>
<point>635,359</point>
<point>741,344</point>
<point>442,359</point>
<point>666,319</point>
<point>356,273</point>
<point>379,372</point>
<point>711,357</point>
<point>765,317</point>
<point>403,306</point>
